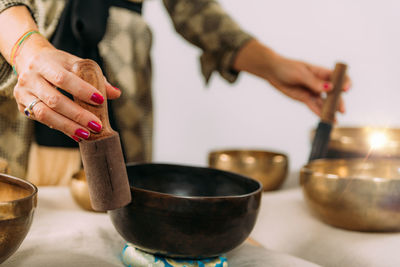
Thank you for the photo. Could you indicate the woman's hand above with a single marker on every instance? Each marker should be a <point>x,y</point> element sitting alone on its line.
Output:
<point>298,80</point>
<point>41,69</point>
<point>303,82</point>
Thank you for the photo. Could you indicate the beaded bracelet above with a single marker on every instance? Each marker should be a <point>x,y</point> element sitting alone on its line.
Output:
<point>17,45</point>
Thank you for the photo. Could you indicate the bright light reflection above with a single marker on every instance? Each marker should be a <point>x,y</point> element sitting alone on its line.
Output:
<point>249,160</point>
<point>377,140</point>
<point>224,157</point>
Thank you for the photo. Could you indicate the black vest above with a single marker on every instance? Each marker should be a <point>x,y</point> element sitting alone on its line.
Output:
<point>81,27</point>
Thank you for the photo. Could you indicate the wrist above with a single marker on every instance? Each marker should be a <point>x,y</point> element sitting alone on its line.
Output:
<point>28,49</point>
<point>269,60</point>
<point>256,58</point>
<point>14,22</point>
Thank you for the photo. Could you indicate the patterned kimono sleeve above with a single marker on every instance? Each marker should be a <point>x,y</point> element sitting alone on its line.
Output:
<point>205,24</point>
<point>4,4</point>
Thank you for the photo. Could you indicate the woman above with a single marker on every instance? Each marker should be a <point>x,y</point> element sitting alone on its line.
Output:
<point>114,34</point>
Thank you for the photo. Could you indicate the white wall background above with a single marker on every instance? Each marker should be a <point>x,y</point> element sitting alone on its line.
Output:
<point>192,119</point>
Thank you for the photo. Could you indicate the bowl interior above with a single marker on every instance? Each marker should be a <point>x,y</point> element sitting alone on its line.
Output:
<point>188,181</point>
<point>11,191</point>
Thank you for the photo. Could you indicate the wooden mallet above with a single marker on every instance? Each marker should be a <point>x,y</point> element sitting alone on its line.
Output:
<point>322,135</point>
<point>102,156</point>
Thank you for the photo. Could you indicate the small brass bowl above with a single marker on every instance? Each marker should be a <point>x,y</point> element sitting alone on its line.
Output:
<point>361,142</point>
<point>18,199</point>
<point>80,191</point>
<point>269,168</point>
<point>354,194</point>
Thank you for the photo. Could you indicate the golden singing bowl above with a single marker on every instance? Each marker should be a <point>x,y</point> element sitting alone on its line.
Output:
<point>80,191</point>
<point>18,200</point>
<point>354,194</point>
<point>369,141</point>
<point>269,168</point>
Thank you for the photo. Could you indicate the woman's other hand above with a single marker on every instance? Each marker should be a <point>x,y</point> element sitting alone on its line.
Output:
<point>298,80</point>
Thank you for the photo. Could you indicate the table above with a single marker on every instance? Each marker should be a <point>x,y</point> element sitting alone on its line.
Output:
<point>286,224</point>
<point>64,235</point>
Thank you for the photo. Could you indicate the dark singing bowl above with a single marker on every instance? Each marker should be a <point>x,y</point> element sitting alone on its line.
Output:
<point>187,212</point>
<point>18,200</point>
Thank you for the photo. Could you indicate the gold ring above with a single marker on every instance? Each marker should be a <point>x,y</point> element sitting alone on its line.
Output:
<point>28,110</point>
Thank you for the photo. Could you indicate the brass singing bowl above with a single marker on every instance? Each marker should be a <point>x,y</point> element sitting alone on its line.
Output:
<point>18,200</point>
<point>354,194</point>
<point>368,141</point>
<point>269,168</point>
<point>80,191</point>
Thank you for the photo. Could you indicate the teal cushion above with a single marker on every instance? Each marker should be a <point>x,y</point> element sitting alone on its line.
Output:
<point>133,257</point>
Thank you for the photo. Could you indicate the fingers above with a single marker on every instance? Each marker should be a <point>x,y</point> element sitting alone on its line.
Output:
<point>341,106</point>
<point>316,79</point>
<point>42,113</point>
<point>347,84</point>
<point>66,80</point>
<point>38,78</point>
<point>56,110</point>
<point>313,101</point>
<point>321,77</point>
<point>314,105</point>
<point>112,91</point>
<point>55,66</point>
<point>65,106</point>
<point>71,83</point>
<point>320,72</point>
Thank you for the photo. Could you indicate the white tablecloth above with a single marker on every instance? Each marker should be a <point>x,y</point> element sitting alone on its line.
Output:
<point>285,224</point>
<point>64,235</point>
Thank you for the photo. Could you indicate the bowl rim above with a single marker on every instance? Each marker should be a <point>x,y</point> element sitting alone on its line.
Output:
<point>255,192</point>
<point>367,126</point>
<point>361,145</point>
<point>273,153</point>
<point>307,170</point>
<point>19,182</point>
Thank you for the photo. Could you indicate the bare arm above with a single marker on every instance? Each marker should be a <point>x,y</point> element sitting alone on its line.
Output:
<point>14,22</point>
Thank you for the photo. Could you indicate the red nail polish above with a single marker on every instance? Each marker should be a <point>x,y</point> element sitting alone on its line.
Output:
<point>94,126</point>
<point>82,133</point>
<point>116,88</point>
<point>97,98</point>
<point>326,86</point>
<point>76,138</point>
